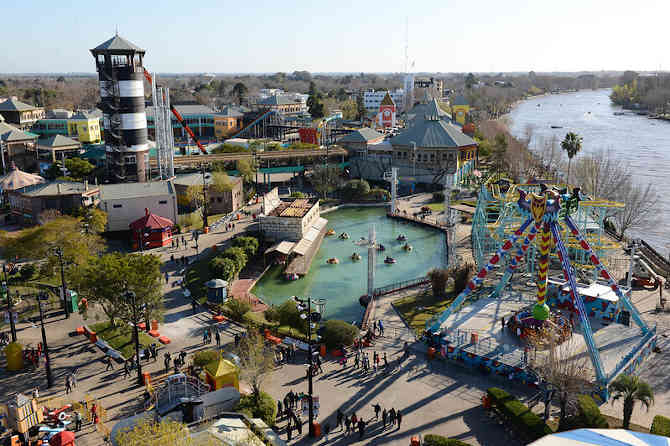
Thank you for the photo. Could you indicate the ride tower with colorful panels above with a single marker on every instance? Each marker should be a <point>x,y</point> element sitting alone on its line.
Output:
<point>550,215</point>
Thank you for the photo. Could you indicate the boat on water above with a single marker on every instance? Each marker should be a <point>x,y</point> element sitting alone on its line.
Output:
<point>401,238</point>
<point>381,247</point>
<point>556,127</point>
<point>356,257</point>
<point>407,247</point>
<point>331,231</point>
<point>333,261</point>
<point>389,260</point>
<point>344,236</point>
<point>619,113</point>
<point>291,277</point>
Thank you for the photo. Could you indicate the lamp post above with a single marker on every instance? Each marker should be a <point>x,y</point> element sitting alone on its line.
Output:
<point>47,362</point>
<point>204,199</point>
<point>132,297</point>
<point>59,253</point>
<point>5,290</point>
<point>311,317</point>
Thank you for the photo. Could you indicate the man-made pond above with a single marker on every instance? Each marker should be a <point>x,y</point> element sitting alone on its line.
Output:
<point>341,285</point>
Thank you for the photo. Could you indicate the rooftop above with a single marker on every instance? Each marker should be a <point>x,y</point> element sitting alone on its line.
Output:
<point>117,43</point>
<point>297,208</point>
<point>10,133</point>
<point>433,133</point>
<point>87,114</point>
<point>151,221</point>
<point>57,141</point>
<point>135,190</point>
<point>278,100</point>
<point>365,134</point>
<point>459,100</point>
<point>231,112</point>
<point>184,110</point>
<point>191,179</point>
<point>14,105</point>
<point>58,188</point>
<point>431,108</point>
<point>388,100</point>
<point>16,179</point>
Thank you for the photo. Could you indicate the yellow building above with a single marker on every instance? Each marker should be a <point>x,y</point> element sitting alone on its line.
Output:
<point>85,127</point>
<point>227,122</point>
<point>459,109</point>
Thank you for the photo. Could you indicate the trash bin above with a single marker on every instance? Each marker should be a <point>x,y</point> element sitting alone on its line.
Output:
<point>154,324</point>
<point>431,353</point>
<point>146,378</point>
<point>414,441</point>
<point>72,301</point>
<point>322,350</point>
<point>317,430</point>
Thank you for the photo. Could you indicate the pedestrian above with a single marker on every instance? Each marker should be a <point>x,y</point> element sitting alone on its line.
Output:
<point>386,363</point>
<point>356,360</point>
<point>392,417</point>
<point>381,327</point>
<point>68,384</point>
<point>502,319</point>
<point>167,277</point>
<point>326,431</point>
<point>354,420</point>
<point>237,339</point>
<point>77,421</point>
<point>172,256</point>
<point>289,429</point>
<point>318,364</point>
<point>126,372</point>
<point>154,352</point>
<point>177,243</point>
<point>218,339</point>
<point>339,418</point>
<point>347,424</point>
<point>36,393</point>
<point>73,375</point>
<point>94,411</point>
<point>166,361</point>
<point>398,417</point>
<point>385,416</point>
<point>279,408</point>
<point>361,429</point>
<point>205,332</point>
<point>108,360</point>
<point>377,409</point>
<point>375,358</point>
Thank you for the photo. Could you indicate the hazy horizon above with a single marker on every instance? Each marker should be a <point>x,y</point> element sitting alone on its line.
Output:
<point>351,37</point>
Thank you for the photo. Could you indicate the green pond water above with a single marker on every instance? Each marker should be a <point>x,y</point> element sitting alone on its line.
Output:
<point>344,283</point>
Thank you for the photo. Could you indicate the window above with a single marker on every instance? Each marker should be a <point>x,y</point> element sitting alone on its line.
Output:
<point>162,202</point>
<point>116,206</point>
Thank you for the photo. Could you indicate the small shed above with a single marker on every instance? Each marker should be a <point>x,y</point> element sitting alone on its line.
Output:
<point>217,291</point>
<point>151,231</point>
<point>222,373</point>
<point>63,438</point>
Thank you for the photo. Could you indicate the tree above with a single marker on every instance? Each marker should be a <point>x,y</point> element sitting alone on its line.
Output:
<point>356,189</point>
<point>349,109</point>
<point>238,256</point>
<point>360,107</point>
<point>256,362</point>
<point>248,244</point>
<point>567,377</point>
<point>438,281</point>
<point>246,169</point>
<point>221,182</point>
<point>572,144</point>
<point>54,171</point>
<point>239,92</point>
<point>631,389</point>
<point>601,175</point>
<point>325,179</point>
<point>223,268</point>
<point>499,152</point>
<point>315,104</point>
<point>338,333</point>
<point>148,431</point>
<point>470,80</point>
<point>195,195</point>
<point>105,280</point>
<point>641,206</point>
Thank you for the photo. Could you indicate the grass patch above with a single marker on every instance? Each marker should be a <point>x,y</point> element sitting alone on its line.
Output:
<point>120,338</point>
<point>196,276</point>
<point>193,220</point>
<point>418,309</point>
<point>435,207</point>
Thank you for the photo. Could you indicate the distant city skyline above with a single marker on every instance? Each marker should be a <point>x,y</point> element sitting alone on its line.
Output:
<point>40,36</point>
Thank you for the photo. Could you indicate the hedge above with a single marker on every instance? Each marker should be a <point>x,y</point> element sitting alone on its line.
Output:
<point>265,410</point>
<point>204,357</point>
<point>438,440</point>
<point>589,414</point>
<point>336,333</point>
<point>519,415</point>
<point>660,426</point>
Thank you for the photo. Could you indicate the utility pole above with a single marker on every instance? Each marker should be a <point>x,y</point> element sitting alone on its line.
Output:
<point>50,380</point>
<point>5,289</point>
<point>59,253</point>
<point>204,199</point>
<point>131,296</point>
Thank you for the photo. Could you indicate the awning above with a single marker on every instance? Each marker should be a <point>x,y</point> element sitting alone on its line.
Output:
<point>320,223</point>
<point>311,234</point>
<point>281,247</point>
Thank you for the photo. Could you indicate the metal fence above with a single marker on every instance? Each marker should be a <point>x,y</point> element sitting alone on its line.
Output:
<point>397,286</point>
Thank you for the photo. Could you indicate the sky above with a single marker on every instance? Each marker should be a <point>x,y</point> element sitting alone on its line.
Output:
<point>344,36</point>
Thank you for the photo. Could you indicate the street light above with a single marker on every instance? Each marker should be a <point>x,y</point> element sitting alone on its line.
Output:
<point>311,317</point>
<point>5,290</point>
<point>132,297</point>
<point>58,252</point>
<point>47,362</point>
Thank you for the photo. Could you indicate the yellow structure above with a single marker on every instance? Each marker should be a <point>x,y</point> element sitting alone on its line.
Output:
<point>227,122</point>
<point>222,373</point>
<point>459,109</point>
<point>14,354</point>
<point>85,127</point>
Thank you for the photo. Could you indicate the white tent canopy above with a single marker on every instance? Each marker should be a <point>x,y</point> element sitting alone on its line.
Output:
<point>601,437</point>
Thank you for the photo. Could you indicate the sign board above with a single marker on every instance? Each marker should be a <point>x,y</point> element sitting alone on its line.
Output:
<point>299,344</point>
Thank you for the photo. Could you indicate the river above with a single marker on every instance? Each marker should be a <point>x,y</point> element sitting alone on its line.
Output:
<point>640,142</point>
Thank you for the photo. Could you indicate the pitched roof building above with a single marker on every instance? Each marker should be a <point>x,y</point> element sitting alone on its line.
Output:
<point>20,113</point>
<point>57,146</point>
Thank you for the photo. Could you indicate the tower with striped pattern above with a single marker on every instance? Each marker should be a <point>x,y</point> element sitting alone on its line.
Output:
<point>121,77</point>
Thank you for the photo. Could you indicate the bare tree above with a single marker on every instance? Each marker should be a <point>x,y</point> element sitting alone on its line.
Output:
<point>641,206</point>
<point>256,361</point>
<point>601,175</point>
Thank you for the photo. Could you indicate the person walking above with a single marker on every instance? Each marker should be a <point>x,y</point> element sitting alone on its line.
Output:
<point>377,409</point>
<point>386,363</point>
<point>108,361</point>
<point>318,364</point>
<point>326,431</point>
<point>77,421</point>
<point>73,376</point>
<point>361,429</point>
<point>339,418</point>
<point>392,417</point>
<point>347,424</point>
<point>167,277</point>
<point>126,372</point>
<point>217,336</point>
<point>354,421</point>
<point>289,429</point>
<point>375,358</point>
<point>385,416</point>
<point>356,360</point>
<point>398,417</point>
<point>68,384</point>
<point>205,332</point>
<point>166,361</point>
<point>279,409</point>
